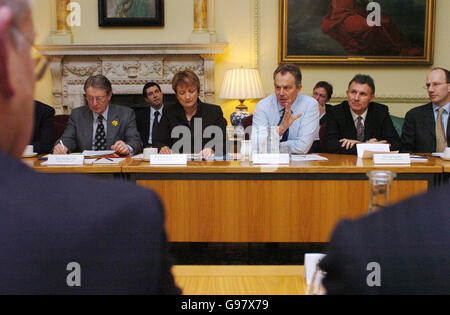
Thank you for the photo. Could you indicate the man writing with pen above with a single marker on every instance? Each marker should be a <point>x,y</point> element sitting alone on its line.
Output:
<point>100,125</point>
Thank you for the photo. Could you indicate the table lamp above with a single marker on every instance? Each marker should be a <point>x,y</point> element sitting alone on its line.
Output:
<point>241,84</point>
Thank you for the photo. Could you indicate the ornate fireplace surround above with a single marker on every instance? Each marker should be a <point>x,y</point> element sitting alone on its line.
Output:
<point>128,67</point>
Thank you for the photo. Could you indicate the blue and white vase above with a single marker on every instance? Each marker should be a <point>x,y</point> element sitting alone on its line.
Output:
<point>236,119</point>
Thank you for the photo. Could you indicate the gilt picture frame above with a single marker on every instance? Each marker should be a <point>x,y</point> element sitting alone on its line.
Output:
<point>123,13</point>
<point>338,32</point>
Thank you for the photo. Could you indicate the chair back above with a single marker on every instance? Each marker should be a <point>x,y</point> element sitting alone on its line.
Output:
<point>60,125</point>
<point>398,124</point>
<point>246,122</point>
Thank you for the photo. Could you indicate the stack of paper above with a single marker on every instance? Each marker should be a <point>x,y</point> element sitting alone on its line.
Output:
<point>307,157</point>
<point>97,153</point>
<point>109,161</point>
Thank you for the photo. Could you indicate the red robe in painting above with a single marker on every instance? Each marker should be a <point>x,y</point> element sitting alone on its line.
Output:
<point>346,22</point>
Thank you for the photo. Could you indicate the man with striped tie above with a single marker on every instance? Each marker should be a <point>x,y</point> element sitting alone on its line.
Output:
<point>100,125</point>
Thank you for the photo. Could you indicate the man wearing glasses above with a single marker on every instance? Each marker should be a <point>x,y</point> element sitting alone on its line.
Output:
<point>426,127</point>
<point>100,125</point>
<point>62,234</point>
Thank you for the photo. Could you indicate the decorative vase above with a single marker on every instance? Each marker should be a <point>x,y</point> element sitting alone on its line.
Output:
<point>236,118</point>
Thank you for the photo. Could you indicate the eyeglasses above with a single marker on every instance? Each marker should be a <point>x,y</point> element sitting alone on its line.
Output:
<point>433,85</point>
<point>40,62</point>
<point>97,98</point>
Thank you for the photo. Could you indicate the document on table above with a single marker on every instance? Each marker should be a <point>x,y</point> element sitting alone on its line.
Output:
<point>98,153</point>
<point>138,157</point>
<point>418,158</point>
<point>109,161</point>
<point>307,157</point>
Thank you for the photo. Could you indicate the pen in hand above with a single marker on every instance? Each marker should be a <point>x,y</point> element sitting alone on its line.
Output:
<point>61,149</point>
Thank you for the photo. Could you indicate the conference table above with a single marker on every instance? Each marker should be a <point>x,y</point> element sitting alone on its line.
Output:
<point>240,280</point>
<point>236,201</point>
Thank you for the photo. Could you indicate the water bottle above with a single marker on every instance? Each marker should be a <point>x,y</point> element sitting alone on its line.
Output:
<point>380,189</point>
<point>274,140</point>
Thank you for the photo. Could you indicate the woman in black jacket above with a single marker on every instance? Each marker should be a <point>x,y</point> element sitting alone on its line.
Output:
<point>189,125</point>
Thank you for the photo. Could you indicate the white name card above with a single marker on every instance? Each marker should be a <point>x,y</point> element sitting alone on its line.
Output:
<point>403,158</point>
<point>270,158</point>
<point>70,159</point>
<point>371,147</point>
<point>168,159</point>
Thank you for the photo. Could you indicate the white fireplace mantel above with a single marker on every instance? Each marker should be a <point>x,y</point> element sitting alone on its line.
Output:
<point>128,67</point>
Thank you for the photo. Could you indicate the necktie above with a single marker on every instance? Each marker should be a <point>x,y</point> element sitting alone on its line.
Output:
<point>100,136</point>
<point>359,129</point>
<point>155,125</point>
<point>285,136</point>
<point>441,142</point>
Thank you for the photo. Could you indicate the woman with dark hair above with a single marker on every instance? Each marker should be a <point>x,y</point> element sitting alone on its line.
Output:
<point>191,126</point>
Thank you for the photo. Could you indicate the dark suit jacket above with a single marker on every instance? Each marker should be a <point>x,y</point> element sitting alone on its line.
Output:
<point>43,128</point>
<point>113,230</point>
<point>340,125</point>
<point>317,146</point>
<point>409,241</point>
<point>78,134</point>
<point>143,122</point>
<point>419,130</point>
<point>174,116</point>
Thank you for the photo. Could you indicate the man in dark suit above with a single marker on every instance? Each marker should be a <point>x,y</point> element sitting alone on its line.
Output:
<point>425,129</point>
<point>63,234</point>
<point>148,118</point>
<point>400,250</point>
<point>100,125</point>
<point>322,93</point>
<point>43,128</point>
<point>359,120</point>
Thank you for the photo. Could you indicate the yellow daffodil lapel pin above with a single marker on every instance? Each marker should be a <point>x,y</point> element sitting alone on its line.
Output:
<point>115,123</point>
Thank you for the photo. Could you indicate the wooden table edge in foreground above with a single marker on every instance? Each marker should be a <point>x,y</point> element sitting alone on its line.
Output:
<point>240,280</point>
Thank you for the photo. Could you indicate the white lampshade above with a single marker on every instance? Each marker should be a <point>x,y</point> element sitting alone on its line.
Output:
<point>242,84</point>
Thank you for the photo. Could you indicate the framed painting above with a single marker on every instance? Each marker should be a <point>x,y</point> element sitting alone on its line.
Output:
<point>131,12</point>
<point>356,31</point>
